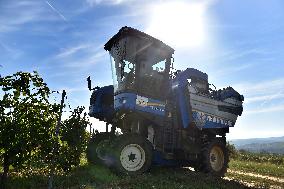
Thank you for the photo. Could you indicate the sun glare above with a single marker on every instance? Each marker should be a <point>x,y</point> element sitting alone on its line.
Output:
<point>179,24</point>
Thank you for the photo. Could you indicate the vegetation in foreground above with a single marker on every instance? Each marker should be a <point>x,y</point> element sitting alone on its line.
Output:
<point>97,176</point>
<point>268,169</point>
<point>32,138</point>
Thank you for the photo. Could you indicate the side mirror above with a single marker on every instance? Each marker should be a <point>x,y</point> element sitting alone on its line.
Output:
<point>89,83</point>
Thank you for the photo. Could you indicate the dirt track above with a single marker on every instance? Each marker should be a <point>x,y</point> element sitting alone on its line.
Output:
<point>276,179</point>
<point>252,184</point>
<point>277,183</point>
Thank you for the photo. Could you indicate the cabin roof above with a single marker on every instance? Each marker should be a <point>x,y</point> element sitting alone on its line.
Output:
<point>128,31</point>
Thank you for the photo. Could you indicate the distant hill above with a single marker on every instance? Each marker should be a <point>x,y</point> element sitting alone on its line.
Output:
<point>269,145</point>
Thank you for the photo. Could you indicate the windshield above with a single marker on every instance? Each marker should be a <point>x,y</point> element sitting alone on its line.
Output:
<point>138,65</point>
<point>123,74</point>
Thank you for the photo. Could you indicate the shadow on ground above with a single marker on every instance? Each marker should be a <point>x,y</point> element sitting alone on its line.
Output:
<point>96,176</point>
<point>165,177</point>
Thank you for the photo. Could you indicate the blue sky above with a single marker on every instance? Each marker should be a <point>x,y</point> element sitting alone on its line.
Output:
<point>238,43</point>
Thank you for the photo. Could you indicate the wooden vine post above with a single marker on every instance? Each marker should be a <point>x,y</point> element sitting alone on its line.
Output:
<point>51,175</point>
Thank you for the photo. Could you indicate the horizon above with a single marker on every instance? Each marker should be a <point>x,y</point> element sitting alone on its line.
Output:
<point>254,138</point>
<point>237,43</point>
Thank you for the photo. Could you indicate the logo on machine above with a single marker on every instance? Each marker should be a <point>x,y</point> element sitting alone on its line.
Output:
<point>158,108</point>
<point>201,118</point>
<point>144,102</point>
<point>141,101</point>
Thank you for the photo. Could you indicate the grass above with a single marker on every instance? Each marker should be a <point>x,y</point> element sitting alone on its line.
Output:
<point>173,178</point>
<point>84,176</point>
<point>258,168</point>
<point>95,176</point>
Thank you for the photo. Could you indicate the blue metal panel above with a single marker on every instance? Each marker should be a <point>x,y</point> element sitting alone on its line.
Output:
<point>132,101</point>
<point>97,108</point>
<point>183,107</point>
<point>212,125</point>
<point>159,160</point>
<point>186,74</point>
<point>125,101</point>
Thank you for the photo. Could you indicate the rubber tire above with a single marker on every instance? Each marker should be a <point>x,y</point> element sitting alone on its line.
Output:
<point>204,165</point>
<point>124,140</point>
<point>91,152</point>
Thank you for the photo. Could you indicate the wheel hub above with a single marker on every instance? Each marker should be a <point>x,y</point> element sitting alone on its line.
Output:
<point>216,158</point>
<point>132,157</point>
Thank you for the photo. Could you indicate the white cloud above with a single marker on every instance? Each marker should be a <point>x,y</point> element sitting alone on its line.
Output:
<point>110,2</point>
<point>260,97</point>
<point>71,50</point>
<point>87,48</point>
<point>87,60</point>
<point>14,52</point>
<point>233,55</point>
<point>261,87</point>
<point>81,54</point>
<point>275,108</point>
<point>264,98</point>
<point>224,71</point>
<point>15,14</point>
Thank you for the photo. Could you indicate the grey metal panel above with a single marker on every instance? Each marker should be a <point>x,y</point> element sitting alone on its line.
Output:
<point>210,106</point>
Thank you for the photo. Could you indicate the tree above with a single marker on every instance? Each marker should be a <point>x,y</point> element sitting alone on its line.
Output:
<point>73,139</point>
<point>27,126</point>
<point>233,153</point>
<point>27,119</point>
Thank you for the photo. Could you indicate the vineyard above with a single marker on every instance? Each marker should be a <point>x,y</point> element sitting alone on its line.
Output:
<point>32,136</point>
<point>35,146</point>
<point>257,169</point>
